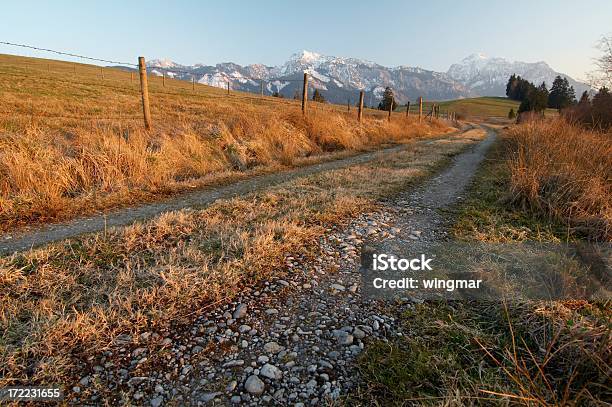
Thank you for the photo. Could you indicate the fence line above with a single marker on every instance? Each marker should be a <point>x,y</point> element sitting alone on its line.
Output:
<point>145,82</point>
<point>85,117</point>
<point>67,54</point>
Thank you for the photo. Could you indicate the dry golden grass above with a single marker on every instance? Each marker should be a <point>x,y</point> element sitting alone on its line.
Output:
<point>71,142</point>
<point>62,304</point>
<point>565,172</point>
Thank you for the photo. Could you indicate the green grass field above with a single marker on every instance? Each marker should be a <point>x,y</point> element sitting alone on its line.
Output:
<point>480,107</point>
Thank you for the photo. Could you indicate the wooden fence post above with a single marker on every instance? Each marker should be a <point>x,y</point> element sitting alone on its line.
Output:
<point>193,83</point>
<point>304,93</point>
<point>360,108</point>
<point>228,86</point>
<point>420,109</point>
<point>408,109</point>
<point>102,72</point>
<point>144,91</point>
<point>348,105</point>
<point>163,79</point>
<point>262,86</point>
<point>390,108</point>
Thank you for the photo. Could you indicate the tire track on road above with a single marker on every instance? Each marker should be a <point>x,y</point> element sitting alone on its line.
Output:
<point>46,234</point>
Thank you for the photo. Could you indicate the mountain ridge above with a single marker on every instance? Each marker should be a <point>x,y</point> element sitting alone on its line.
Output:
<point>341,78</point>
<point>488,75</point>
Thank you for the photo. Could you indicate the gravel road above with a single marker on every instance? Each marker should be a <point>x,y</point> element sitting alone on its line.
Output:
<point>286,342</point>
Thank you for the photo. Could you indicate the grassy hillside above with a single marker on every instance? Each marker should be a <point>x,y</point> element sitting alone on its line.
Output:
<point>480,107</point>
<point>72,137</point>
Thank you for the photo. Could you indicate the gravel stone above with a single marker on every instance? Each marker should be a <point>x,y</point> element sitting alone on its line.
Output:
<point>358,333</point>
<point>240,311</point>
<point>272,347</point>
<point>157,401</point>
<point>254,385</point>
<point>271,371</point>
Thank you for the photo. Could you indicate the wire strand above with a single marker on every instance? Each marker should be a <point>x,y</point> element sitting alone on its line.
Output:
<point>67,54</point>
<point>156,90</point>
<point>150,67</point>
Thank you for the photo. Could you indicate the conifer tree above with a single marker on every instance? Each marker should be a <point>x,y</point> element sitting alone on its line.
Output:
<point>511,87</point>
<point>584,99</point>
<point>562,95</point>
<point>318,97</point>
<point>523,88</point>
<point>536,100</point>
<point>602,108</point>
<point>387,99</point>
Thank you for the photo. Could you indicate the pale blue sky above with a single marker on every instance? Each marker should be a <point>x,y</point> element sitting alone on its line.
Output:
<point>423,33</point>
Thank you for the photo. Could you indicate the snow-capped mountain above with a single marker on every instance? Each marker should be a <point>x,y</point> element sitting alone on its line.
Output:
<point>488,76</point>
<point>164,63</point>
<point>341,79</point>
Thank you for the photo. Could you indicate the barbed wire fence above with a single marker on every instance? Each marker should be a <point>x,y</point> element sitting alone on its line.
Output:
<point>309,83</point>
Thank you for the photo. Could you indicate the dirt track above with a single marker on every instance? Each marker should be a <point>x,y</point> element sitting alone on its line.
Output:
<point>16,242</point>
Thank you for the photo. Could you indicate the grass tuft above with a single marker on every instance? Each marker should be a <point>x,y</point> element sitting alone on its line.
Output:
<point>563,171</point>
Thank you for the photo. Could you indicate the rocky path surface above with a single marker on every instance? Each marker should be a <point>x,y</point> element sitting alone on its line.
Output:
<point>20,241</point>
<point>285,342</point>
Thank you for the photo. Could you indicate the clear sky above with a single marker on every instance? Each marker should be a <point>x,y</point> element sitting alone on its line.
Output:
<point>430,34</point>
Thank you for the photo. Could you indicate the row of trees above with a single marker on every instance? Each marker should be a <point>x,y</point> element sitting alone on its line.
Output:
<point>537,98</point>
<point>593,109</point>
<point>594,112</point>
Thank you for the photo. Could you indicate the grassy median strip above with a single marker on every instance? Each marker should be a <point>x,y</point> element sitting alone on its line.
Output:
<point>61,303</point>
